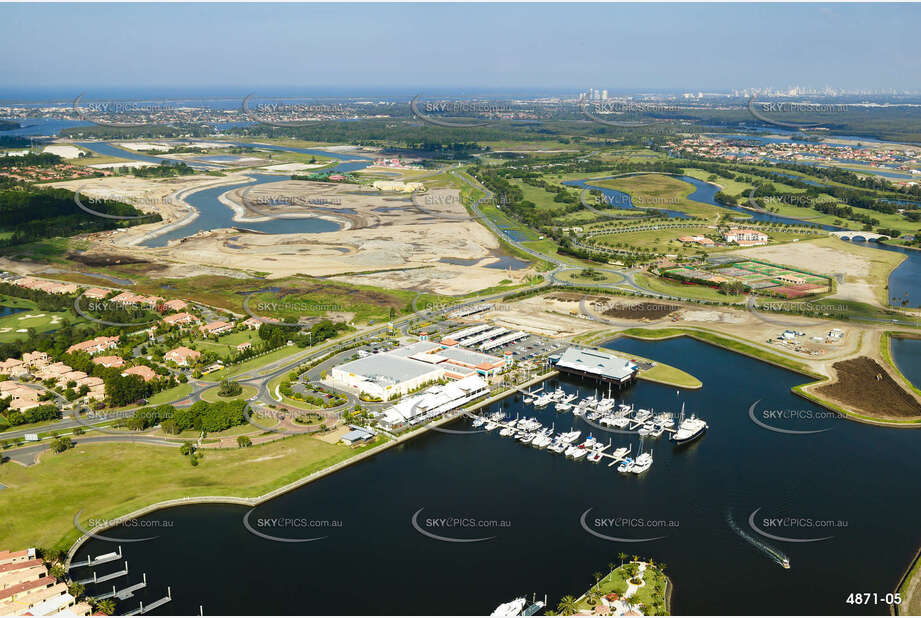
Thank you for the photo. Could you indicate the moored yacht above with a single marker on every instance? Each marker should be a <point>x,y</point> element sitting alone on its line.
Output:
<point>690,429</point>
<point>642,463</point>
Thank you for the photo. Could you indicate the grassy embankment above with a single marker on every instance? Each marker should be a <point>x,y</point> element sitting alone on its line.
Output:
<point>106,481</point>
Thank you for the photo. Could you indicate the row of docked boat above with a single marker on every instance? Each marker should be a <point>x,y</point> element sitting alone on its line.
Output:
<point>606,411</point>
<point>531,431</point>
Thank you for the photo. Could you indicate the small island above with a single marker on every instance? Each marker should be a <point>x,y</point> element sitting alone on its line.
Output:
<point>635,588</point>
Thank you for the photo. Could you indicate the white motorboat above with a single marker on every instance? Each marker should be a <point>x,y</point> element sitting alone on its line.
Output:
<point>625,465</point>
<point>570,436</point>
<point>491,425</point>
<point>642,415</point>
<point>594,456</point>
<point>479,421</point>
<point>689,429</point>
<point>543,440</point>
<point>512,608</point>
<point>558,446</point>
<point>642,463</point>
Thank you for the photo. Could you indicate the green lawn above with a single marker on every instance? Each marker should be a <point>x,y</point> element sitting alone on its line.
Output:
<point>226,346</point>
<point>212,394</point>
<point>180,391</point>
<point>255,363</point>
<point>667,374</point>
<point>661,191</point>
<point>40,501</point>
<point>700,292</point>
<point>651,595</point>
<point>32,317</point>
<point>575,276</point>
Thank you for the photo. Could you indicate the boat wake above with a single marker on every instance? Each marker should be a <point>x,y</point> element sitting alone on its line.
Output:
<point>774,554</point>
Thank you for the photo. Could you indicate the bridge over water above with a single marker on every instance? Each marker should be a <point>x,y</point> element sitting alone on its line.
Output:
<point>854,235</point>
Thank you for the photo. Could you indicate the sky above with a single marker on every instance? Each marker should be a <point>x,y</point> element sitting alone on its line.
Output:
<point>239,48</point>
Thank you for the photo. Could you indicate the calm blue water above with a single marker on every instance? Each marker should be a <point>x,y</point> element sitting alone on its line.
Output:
<point>215,215</point>
<point>5,310</point>
<point>907,356</point>
<point>737,466</point>
<point>42,126</point>
<point>623,201</point>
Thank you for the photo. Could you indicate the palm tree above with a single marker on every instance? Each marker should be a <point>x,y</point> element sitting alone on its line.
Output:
<point>622,557</point>
<point>106,606</point>
<point>567,606</point>
<point>662,566</point>
<point>597,576</point>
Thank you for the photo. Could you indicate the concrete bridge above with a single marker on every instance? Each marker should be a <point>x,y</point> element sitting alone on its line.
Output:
<point>854,235</point>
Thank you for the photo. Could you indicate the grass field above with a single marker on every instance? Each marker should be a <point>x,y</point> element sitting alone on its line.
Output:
<point>226,346</point>
<point>31,317</point>
<point>171,394</point>
<point>661,191</point>
<point>699,292</point>
<point>574,276</point>
<point>212,396</point>
<point>541,198</point>
<point>39,502</point>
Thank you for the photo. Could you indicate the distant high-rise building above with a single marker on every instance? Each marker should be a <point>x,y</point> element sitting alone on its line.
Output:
<point>604,95</point>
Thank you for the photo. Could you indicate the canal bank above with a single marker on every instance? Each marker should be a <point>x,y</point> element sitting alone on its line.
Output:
<point>255,501</point>
<point>738,466</point>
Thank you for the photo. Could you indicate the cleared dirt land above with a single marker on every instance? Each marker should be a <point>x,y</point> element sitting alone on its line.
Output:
<point>861,272</point>
<point>639,311</point>
<point>864,385</point>
<point>425,242</point>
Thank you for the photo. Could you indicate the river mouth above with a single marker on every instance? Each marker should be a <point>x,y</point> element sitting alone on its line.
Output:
<point>737,465</point>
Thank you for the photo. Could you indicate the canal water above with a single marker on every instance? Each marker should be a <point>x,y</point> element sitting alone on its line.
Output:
<point>904,281</point>
<point>906,353</point>
<point>529,505</point>
<point>212,214</point>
